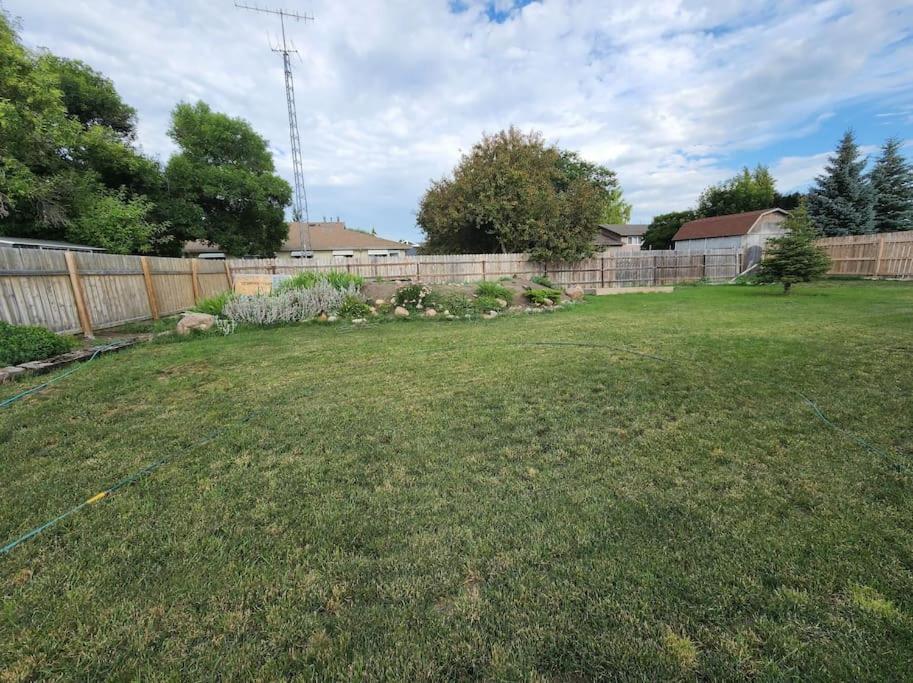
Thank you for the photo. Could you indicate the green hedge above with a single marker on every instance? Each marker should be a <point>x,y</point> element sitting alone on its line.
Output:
<point>23,343</point>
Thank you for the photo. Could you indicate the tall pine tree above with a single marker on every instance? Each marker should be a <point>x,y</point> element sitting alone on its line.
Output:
<point>841,202</point>
<point>892,185</point>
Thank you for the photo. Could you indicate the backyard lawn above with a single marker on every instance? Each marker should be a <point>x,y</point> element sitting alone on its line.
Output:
<point>633,488</point>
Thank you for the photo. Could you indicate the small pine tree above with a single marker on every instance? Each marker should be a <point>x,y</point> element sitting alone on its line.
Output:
<point>841,201</point>
<point>794,257</point>
<point>892,185</point>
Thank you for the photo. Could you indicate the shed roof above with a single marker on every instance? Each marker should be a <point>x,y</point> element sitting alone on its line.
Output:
<point>30,243</point>
<point>626,229</point>
<point>722,226</point>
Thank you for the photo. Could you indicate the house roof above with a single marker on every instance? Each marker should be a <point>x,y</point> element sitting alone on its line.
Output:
<point>626,229</point>
<point>29,243</point>
<point>722,226</point>
<point>603,238</point>
<point>320,236</point>
<point>334,235</point>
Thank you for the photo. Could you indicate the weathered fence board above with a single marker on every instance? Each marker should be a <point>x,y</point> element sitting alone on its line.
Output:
<point>888,255</point>
<point>69,292</point>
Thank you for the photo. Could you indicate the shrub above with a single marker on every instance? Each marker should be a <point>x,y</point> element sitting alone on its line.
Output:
<point>290,306</point>
<point>412,295</point>
<point>353,307</point>
<point>494,290</point>
<point>214,304</point>
<point>542,281</point>
<point>24,343</point>
<point>455,303</point>
<point>538,296</point>
<point>487,303</point>
<point>308,279</point>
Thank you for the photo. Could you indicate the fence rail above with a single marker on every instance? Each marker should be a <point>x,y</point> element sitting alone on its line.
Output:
<point>83,292</point>
<point>888,255</point>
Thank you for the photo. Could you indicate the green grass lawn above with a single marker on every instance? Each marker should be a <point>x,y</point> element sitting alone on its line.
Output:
<point>430,500</point>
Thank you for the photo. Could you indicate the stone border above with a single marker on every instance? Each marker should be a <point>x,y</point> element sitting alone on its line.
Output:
<point>39,367</point>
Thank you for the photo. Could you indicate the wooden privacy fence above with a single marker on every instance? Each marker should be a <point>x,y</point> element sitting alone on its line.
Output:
<point>621,268</point>
<point>888,254</point>
<point>79,291</point>
<point>70,291</point>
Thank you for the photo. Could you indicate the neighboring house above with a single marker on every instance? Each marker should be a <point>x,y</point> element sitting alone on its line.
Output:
<point>737,230</point>
<point>28,243</point>
<point>618,235</point>
<point>327,238</point>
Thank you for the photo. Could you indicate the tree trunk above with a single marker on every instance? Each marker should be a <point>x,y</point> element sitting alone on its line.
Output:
<point>786,286</point>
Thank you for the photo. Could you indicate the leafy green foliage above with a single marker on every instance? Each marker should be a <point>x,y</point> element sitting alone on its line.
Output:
<point>543,281</point>
<point>663,228</point>
<point>342,280</point>
<point>794,257</point>
<point>24,343</point>
<point>486,303</point>
<point>307,279</point>
<point>494,290</point>
<point>747,191</point>
<point>354,307</point>
<point>841,202</point>
<point>514,193</point>
<point>457,304</point>
<point>542,296</point>
<point>214,305</point>
<point>303,280</point>
<point>892,185</point>
<point>224,176</point>
<point>412,295</point>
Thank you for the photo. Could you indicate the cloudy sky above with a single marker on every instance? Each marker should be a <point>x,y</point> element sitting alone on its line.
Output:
<point>674,95</point>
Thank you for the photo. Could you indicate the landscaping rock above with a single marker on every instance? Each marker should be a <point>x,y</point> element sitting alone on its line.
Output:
<point>373,310</point>
<point>332,319</point>
<point>8,373</point>
<point>430,312</point>
<point>379,302</point>
<point>401,312</point>
<point>548,302</point>
<point>358,321</point>
<point>323,317</point>
<point>574,292</point>
<point>490,315</point>
<point>501,303</point>
<point>195,321</point>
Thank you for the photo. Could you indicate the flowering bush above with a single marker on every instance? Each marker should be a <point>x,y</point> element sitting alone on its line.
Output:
<point>412,295</point>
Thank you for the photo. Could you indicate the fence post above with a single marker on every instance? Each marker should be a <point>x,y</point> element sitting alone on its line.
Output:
<point>602,271</point>
<point>194,279</point>
<point>880,255</point>
<point>231,282</point>
<point>150,287</point>
<point>418,271</point>
<point>483,267</point>
<point>78,295</point>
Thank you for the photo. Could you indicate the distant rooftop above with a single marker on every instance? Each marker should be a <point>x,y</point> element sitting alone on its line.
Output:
<point>29,243</point>
<point>626,229</point>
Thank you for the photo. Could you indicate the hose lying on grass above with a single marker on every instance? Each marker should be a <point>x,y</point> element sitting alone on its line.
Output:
<point>149,469</point>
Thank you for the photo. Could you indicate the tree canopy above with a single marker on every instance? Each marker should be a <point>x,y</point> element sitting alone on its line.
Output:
<point>514,193</point>
<point>747,191</point>
<point>663,228</point>
<point>841,201</point>
<point>892,187</point>
<point>794,257</point>
<point>222,183</point>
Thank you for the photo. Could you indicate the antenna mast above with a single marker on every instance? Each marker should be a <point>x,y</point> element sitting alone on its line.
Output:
<point>301,203</point>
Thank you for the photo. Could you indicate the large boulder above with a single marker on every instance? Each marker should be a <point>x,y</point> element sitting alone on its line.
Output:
<point>401,312</point>
<point>574,292</point>
<point>430,312</point>
<point>195,321</point>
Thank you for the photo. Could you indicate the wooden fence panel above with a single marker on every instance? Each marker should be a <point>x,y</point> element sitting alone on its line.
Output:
<point>114,288</point>
<point>35,289</point>
<point>887,255</point>
<point>171,279</point>
<point>212,277</point>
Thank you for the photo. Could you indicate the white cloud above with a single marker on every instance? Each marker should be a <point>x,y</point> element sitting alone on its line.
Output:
<point>390,92</point>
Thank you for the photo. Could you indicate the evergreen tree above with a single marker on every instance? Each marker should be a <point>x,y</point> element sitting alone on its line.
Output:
<point>892,185</point>
<point>841,201</point>
<point>794,257</point>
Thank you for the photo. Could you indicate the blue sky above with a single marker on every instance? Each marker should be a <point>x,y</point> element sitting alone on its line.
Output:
<point>672,94</point>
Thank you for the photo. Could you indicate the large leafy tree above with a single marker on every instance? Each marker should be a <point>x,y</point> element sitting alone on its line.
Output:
<point>841,202</point>
<point>747,191</point>
<point>222,184</point>
<point>514,193</point>
<point>794,257</point>
<point>663,228</point>
<point>892,186</point>
<point>62,164</point>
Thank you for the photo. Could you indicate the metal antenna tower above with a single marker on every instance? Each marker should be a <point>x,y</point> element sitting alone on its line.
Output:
<point>301,203</point>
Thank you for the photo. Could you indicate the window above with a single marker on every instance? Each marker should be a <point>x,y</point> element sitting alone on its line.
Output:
<point>302,254</point>
<point>344,253</point>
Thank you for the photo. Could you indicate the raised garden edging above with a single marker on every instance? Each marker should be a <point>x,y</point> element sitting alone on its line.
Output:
<point>39,367</point>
